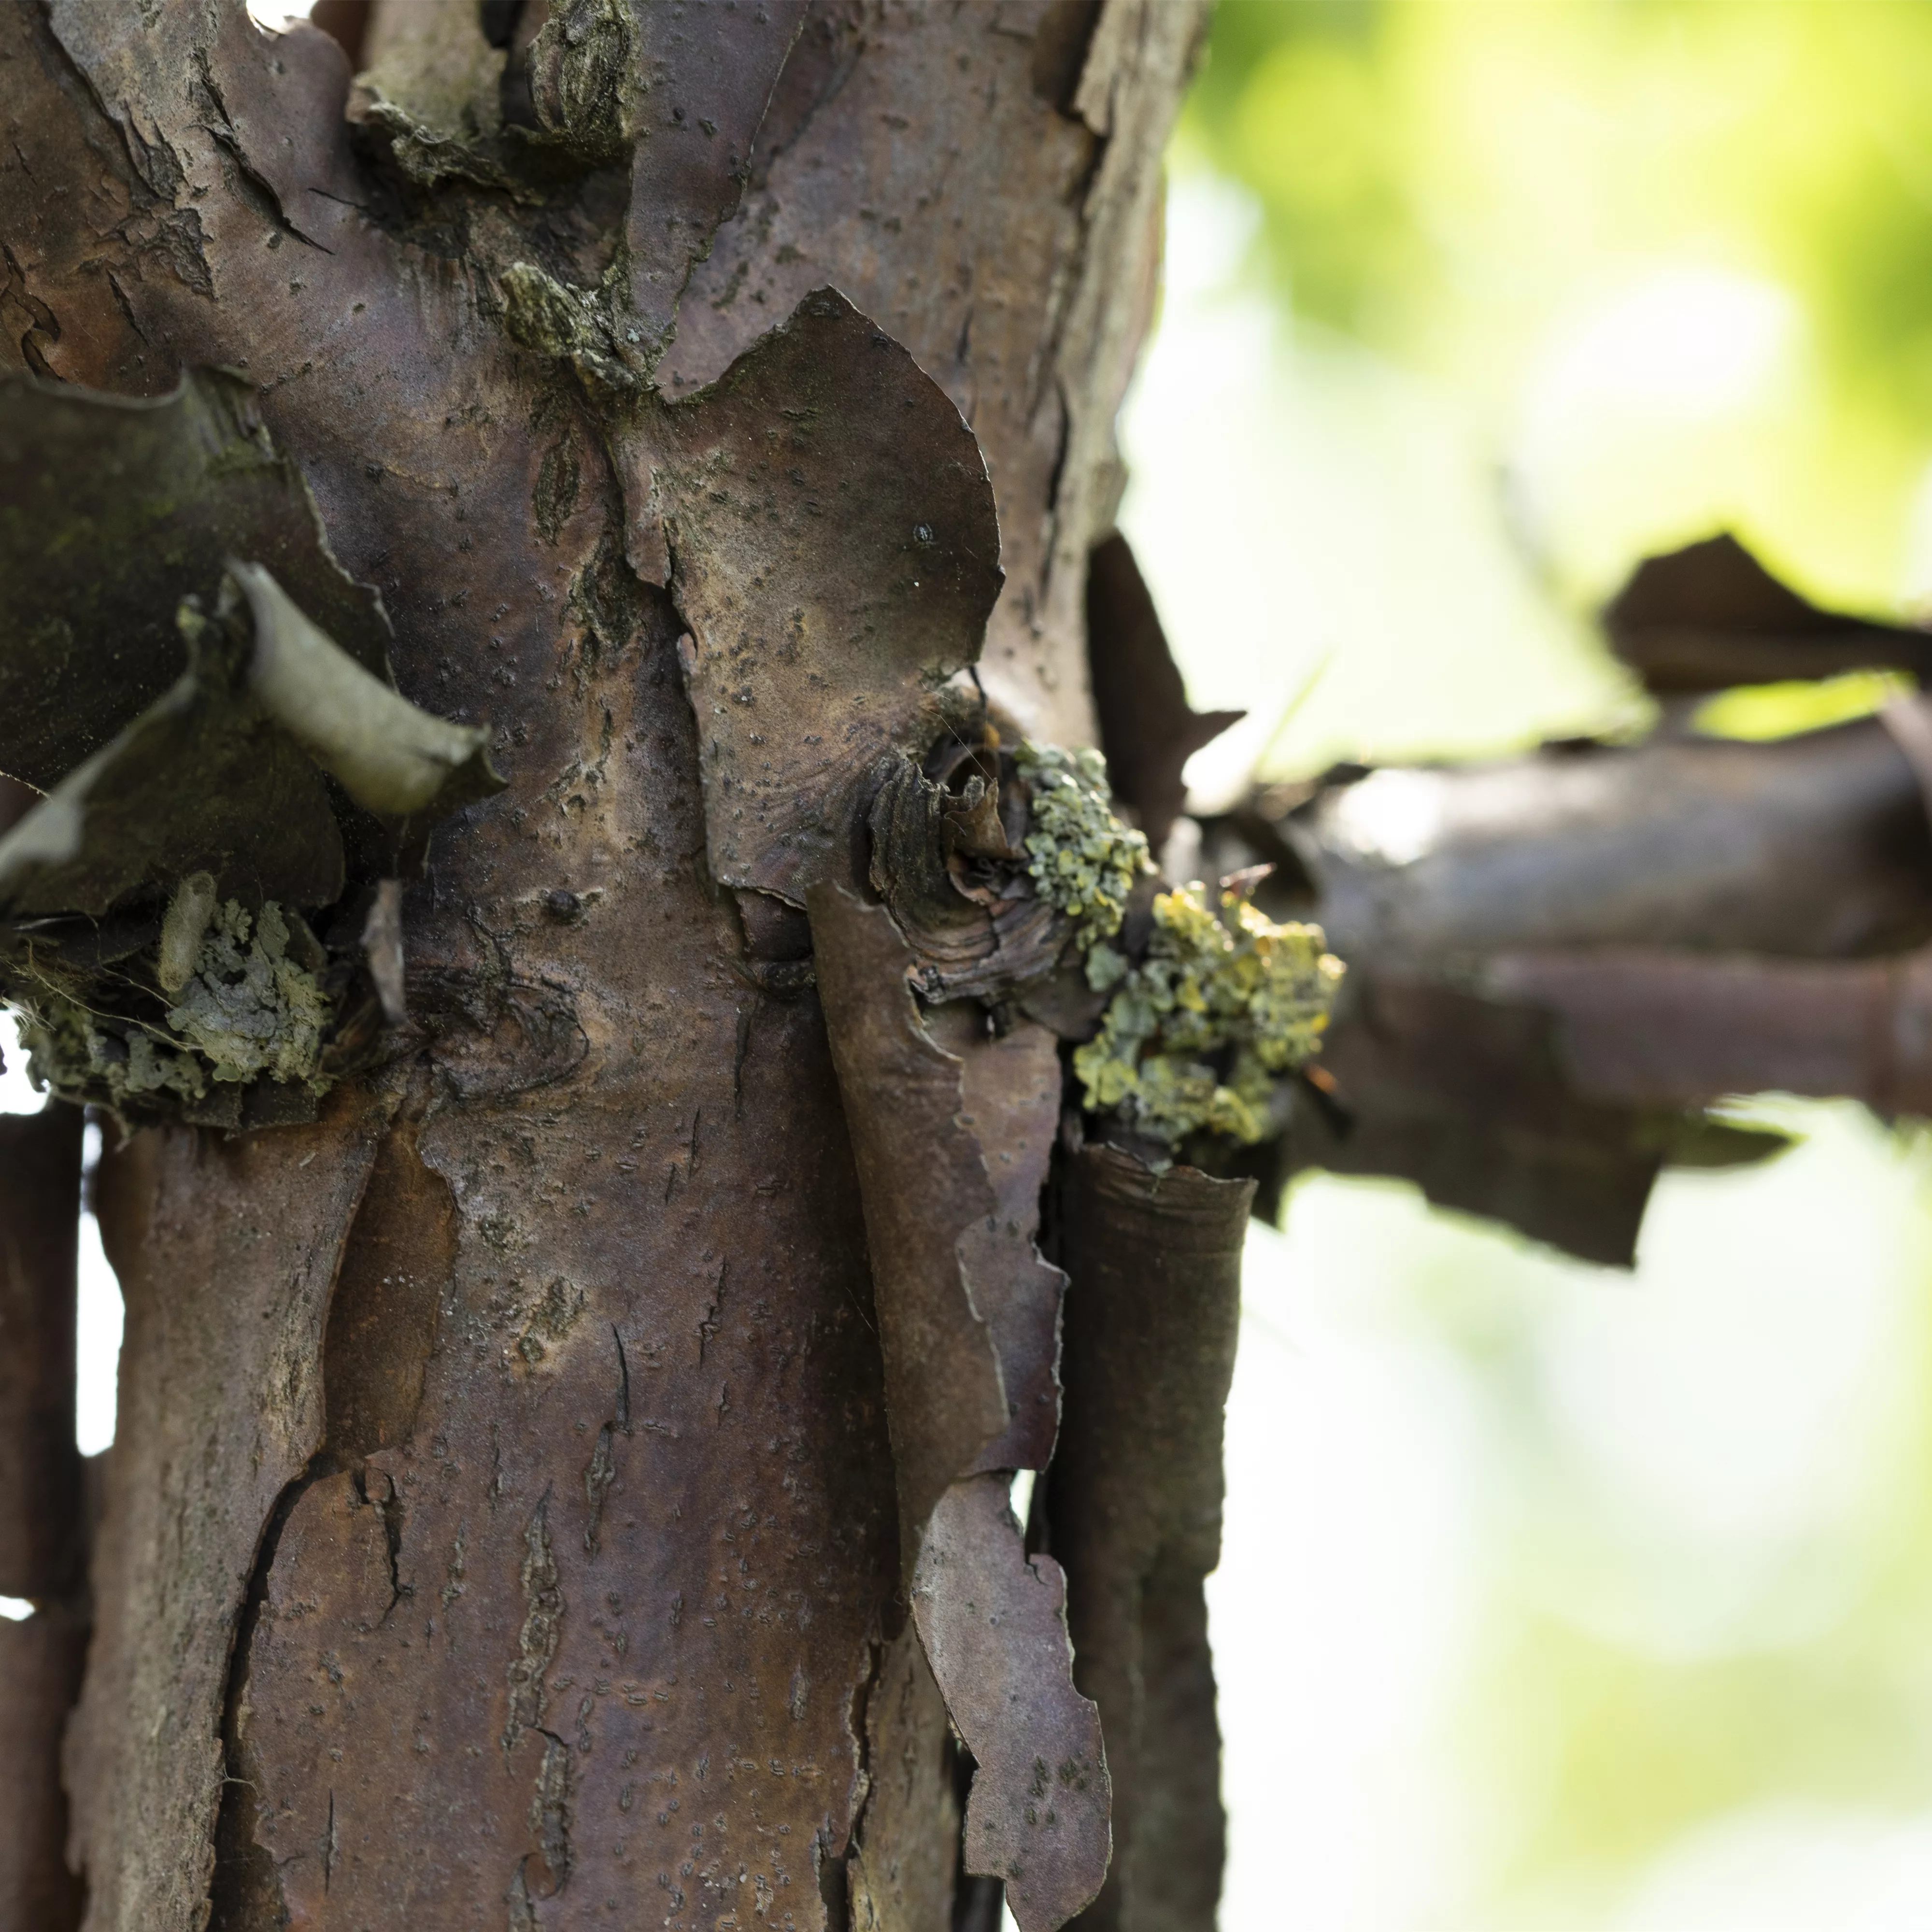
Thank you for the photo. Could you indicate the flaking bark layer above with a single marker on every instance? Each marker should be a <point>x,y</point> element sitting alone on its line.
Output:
<point>641,1522</point>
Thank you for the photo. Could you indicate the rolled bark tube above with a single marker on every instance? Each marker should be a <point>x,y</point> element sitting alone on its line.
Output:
<point>1134,1508</point>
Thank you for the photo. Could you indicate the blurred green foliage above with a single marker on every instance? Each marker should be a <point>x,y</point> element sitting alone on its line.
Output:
<point>1439,180</point>
<point>1765,711</point>
<point>1464,189</point>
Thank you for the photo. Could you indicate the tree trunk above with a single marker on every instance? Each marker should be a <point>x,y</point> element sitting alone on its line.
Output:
<point>502,1525</point>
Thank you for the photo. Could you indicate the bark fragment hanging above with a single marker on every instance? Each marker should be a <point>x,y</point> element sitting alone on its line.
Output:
<point>1473,1099</point>
<point>1147,729</point>
<point>968,1324</point>
<point>969,1321</point>
<point>993,1620</point>
<point>1710,615</point>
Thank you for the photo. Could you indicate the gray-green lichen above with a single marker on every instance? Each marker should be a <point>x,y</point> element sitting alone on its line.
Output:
<point>1195,1035</point>
<point>71,1050</point>
<point>571,324</point>
<point>248,1009</point>
<point>582,65</point>
<point>1082,858</point>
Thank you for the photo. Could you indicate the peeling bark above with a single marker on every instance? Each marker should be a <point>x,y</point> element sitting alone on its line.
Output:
<point>991,1623</point>
<point>1147,729</point>
<point>578,1475</point>
<point>947,1398</point>
<point>1472,1098</point>
<point>992,201</point>
<point>1710,615</point>
<point>1640,1026</point>
<point>819,644</point>
<point>993,1620</point>
<point>1558,962</point>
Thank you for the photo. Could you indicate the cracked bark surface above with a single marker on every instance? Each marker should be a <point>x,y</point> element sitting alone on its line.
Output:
<point>574,1510</point>
<point>906,1849</point>
<point>225,1256</point>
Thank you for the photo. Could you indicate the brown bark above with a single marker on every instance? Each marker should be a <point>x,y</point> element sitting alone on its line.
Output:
<point>1814,847</point>
<point>40,1672</point>
<point>1710,615</point>
<point>1134,1510</point>
<point>1146,728</point>
<point>40,1518</point>
<point>1556,961</point>
<point>1639,1026</point>
<point>502,1501</point>
<point>40,1548</point>
<point>226,1254</point>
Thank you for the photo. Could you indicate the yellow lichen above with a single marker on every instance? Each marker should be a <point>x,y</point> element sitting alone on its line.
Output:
<point>1081,857</point>
<point>1196,1035</point>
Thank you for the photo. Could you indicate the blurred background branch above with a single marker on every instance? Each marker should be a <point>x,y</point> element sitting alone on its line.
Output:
<point>1564,1599</point>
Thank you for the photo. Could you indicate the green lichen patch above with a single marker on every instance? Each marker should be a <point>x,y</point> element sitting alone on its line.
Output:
<point>1082,858</point>
<point>1197,1034</point>
<point>84,1057</point>
<point>581,68</point>
<point>570,324</point>
<point>249,1010</point>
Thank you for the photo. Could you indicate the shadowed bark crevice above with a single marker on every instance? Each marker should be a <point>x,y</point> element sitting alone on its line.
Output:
<point>244,1891</point>
<point>384,1314</point>
<point>43,1540</point>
